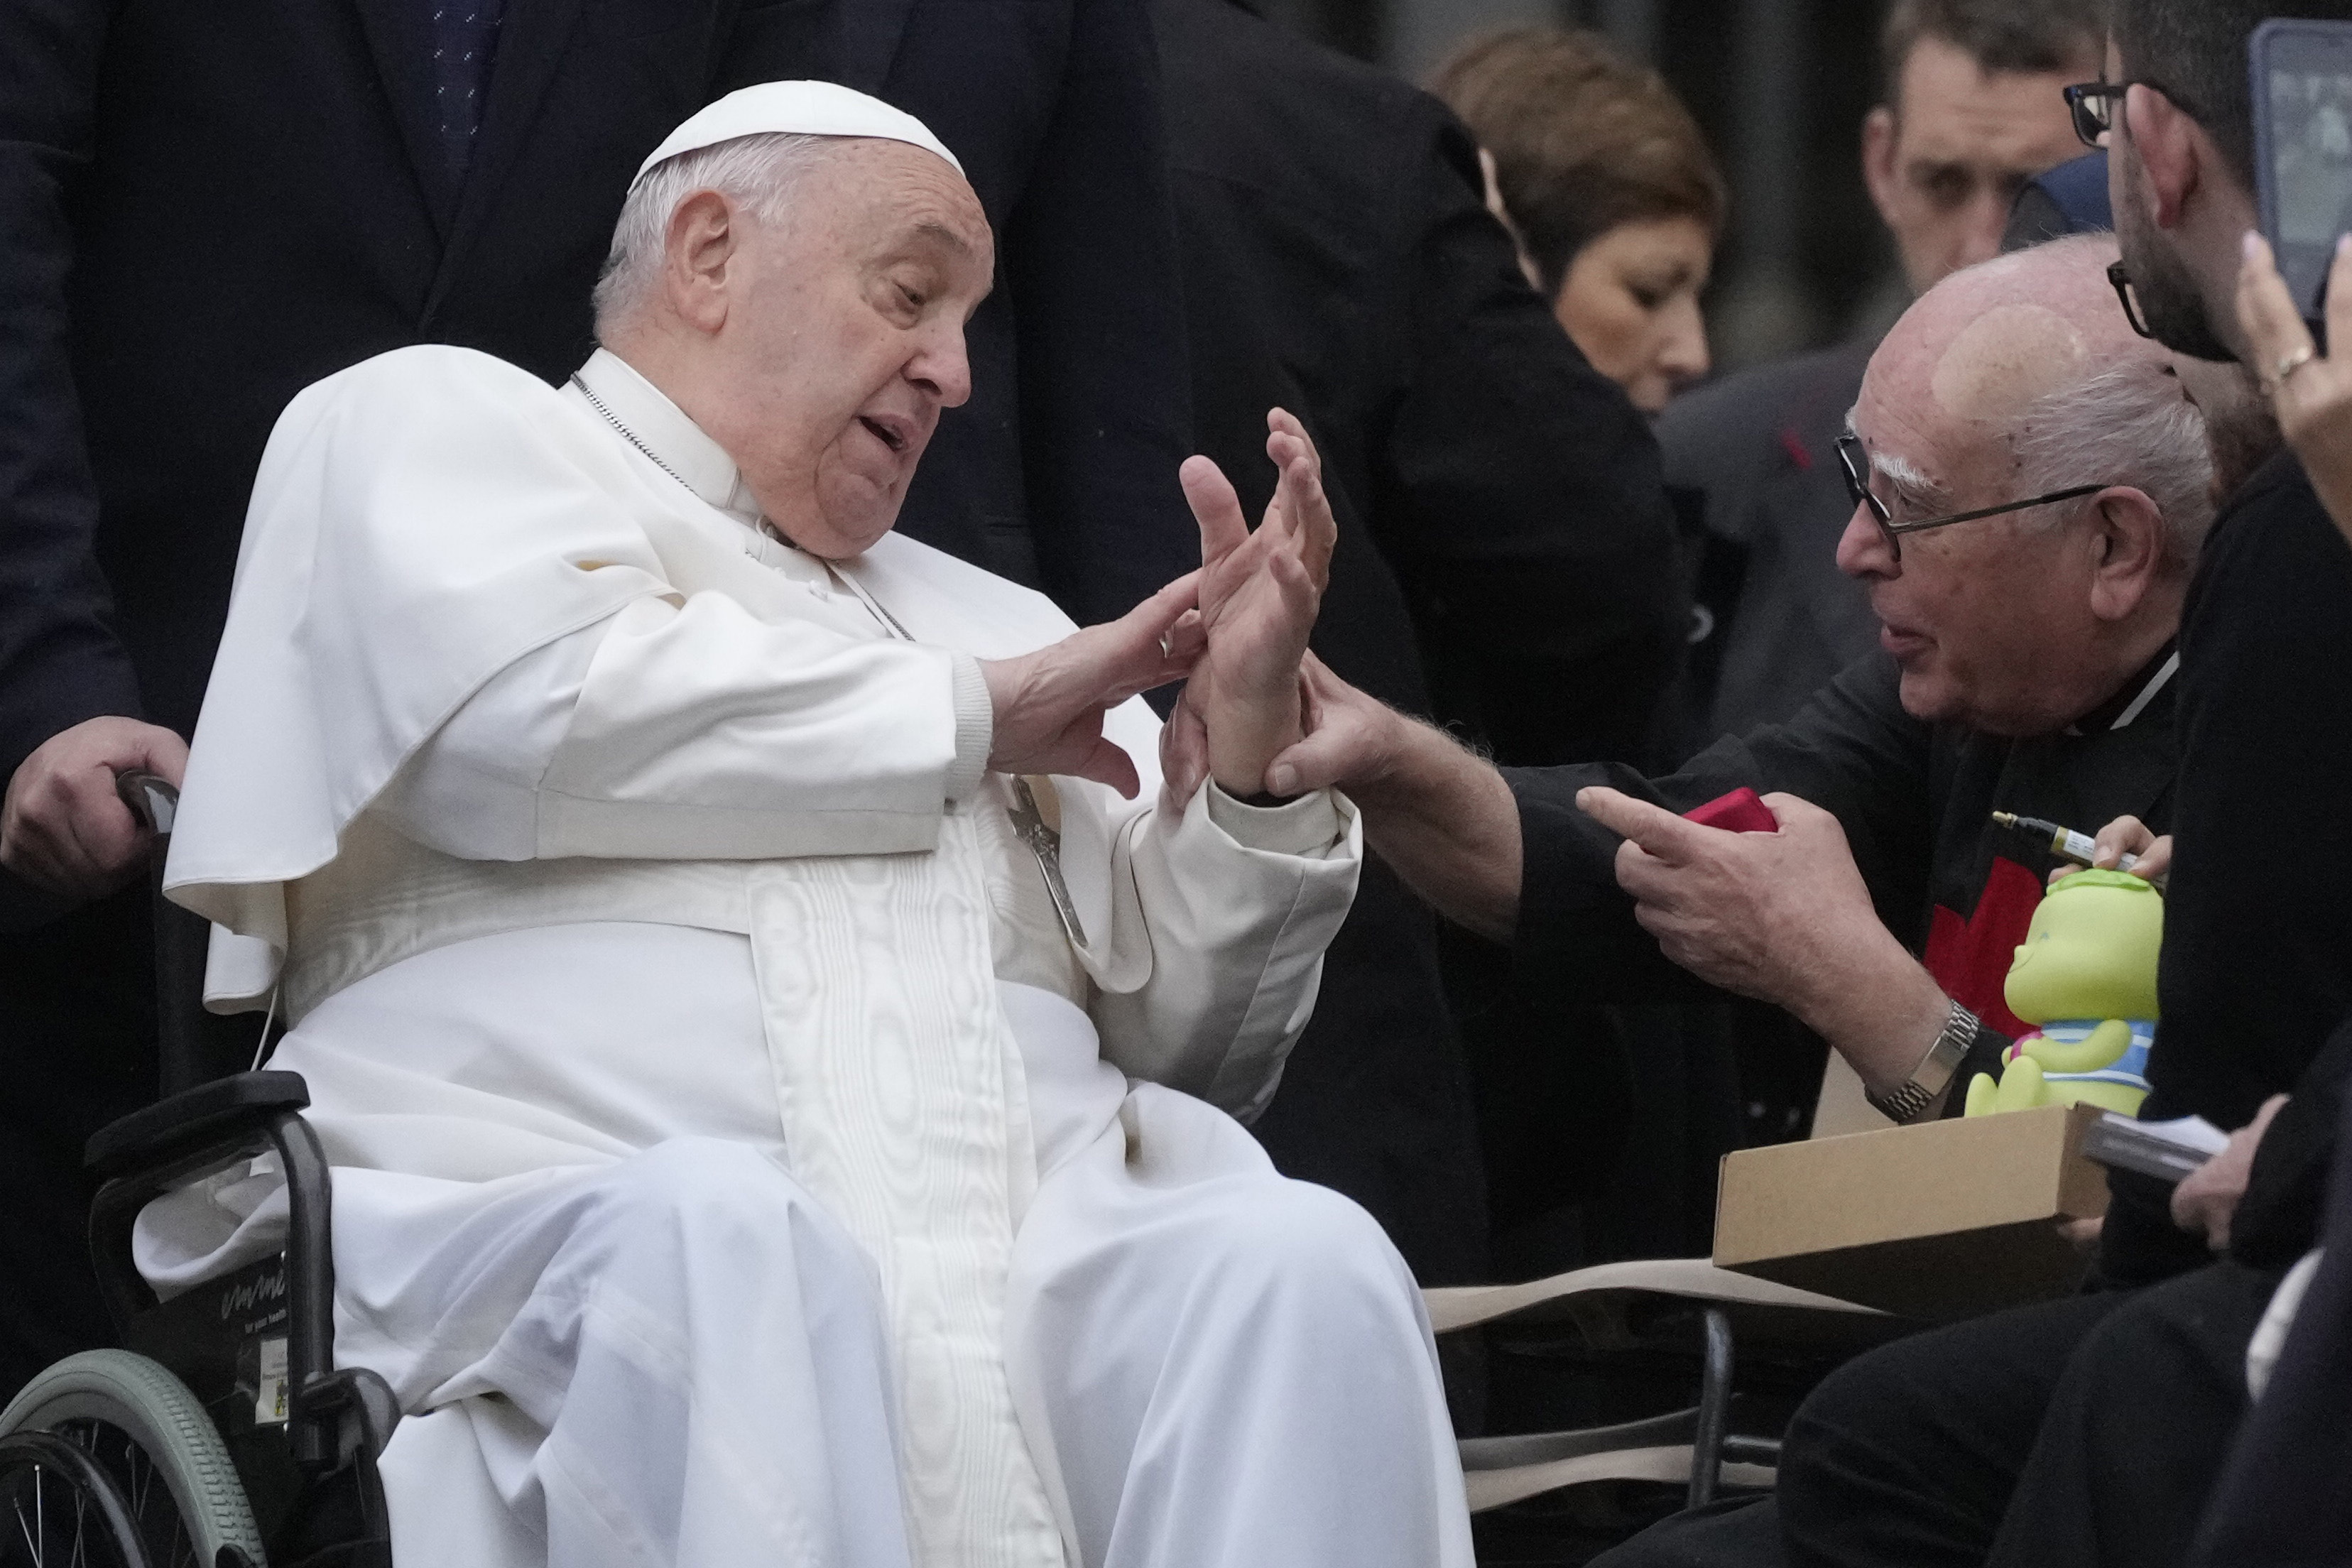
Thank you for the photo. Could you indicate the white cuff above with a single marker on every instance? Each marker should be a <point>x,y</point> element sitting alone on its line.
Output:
<point>1309,826</point>
<point>975,729</point>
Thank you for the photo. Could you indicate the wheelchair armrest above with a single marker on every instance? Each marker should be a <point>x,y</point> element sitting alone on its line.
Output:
<point>195,1119</point>
<point>201,1131</point>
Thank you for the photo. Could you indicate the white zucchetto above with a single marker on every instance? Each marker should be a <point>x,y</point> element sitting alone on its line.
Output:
<point>795,109</point>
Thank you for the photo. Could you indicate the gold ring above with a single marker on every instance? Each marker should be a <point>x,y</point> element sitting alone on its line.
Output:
<point>2289,364</point>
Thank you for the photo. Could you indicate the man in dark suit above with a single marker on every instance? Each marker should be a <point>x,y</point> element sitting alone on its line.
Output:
<point>1509,558</point>
<point>212,207</point>
<point>1973,111</point>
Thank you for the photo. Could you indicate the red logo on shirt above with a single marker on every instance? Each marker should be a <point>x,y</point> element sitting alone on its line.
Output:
<point>1971,958</point>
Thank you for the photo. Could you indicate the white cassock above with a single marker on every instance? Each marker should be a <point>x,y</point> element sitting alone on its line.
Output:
<point>735,1160</point>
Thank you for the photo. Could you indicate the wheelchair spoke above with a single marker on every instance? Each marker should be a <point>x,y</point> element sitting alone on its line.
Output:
<point>25,1529</point>
<point>142,1472</point>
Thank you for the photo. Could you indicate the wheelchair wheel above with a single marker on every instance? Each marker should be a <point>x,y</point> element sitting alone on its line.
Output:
<point>106,1459</point>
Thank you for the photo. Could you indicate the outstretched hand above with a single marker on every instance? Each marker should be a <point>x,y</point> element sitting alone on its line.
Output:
<point>1049,705</point>
<point>2310,391</point>
<point>1352,742</point>
<point>1259,596</point>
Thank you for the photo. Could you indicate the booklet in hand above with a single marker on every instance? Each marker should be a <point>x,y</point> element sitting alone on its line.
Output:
<point>2164,1150</point>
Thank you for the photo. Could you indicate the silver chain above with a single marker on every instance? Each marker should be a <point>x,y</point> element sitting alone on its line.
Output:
<point>626,434</point>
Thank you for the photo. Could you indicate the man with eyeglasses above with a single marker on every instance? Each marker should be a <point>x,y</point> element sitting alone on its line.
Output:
<point>2025,665</point>
<point>2030,483</point>
<point>1971,113</point>
<point>2092,1430</point>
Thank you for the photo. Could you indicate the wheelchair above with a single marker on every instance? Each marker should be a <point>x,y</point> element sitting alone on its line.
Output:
<point>222,1435</point>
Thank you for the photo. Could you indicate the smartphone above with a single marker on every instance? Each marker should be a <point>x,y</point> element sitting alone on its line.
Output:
<point>2302,80</point>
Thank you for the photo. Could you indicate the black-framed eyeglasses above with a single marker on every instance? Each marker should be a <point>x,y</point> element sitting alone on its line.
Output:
<point>2124,291</point>
<point>2092,105</point>
<point>1855,461</point>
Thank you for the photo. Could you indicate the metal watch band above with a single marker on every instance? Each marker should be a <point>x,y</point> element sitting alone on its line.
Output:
<point>1941,1062</point>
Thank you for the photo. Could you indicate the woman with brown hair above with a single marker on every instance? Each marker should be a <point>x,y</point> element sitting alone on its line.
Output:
<point>1602,177</point>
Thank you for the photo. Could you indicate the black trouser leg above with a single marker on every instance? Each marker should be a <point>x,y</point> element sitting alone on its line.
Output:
<point>2138,1428</point>
<point>1908,1456</point>
<point>1736,1532</point>
<point>77,1019</point>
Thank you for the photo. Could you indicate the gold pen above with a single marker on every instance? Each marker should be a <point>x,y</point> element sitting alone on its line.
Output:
<point>2067,842</point>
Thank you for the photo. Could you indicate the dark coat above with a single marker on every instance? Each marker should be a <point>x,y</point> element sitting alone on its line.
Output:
<point>2256,972</point>
<point>2284,1497</point>
<point>1506,555</point>
<point>209,206</point>
<point>1757,451</point>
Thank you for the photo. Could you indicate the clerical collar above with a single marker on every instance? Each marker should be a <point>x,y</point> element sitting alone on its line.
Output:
<point>642,413</point>
<point>2132,698</point>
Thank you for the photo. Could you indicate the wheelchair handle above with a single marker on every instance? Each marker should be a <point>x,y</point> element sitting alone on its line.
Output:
<point>183,940</point>
<point>153,799</point>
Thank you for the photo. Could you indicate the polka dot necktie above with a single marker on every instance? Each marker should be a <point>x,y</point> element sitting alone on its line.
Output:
<point>465,38</point>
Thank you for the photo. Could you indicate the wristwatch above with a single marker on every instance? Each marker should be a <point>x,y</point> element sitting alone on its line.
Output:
<point>1934,1073</point>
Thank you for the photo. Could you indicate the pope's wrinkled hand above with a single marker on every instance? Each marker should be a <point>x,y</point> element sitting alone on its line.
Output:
<point>1259,594</point>
<point>64,829</point>
<point>1049,705</point>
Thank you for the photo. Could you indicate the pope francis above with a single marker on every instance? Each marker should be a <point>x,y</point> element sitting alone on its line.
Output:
<point>778,1044</point>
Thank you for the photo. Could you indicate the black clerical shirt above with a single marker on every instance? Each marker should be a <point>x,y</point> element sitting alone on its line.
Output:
<point>1917,803</point>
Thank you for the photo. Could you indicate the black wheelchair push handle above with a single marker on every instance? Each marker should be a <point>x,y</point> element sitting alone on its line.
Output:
<point>188,1052</point>
<point>152,798</point>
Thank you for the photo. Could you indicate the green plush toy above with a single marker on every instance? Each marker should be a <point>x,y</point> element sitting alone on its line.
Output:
<point>2087,975</point>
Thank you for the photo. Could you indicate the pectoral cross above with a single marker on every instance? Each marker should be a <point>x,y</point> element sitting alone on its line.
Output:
<point>1046,845</point>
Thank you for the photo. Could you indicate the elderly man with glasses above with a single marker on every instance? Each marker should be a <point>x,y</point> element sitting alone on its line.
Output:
<point>2030,482</point>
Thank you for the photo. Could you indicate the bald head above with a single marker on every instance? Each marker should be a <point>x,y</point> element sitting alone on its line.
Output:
<point>2007,382</point>
<point>2005,360</point>
<point>1958,381</point>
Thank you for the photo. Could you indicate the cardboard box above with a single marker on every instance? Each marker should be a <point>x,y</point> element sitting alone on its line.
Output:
<point>1939,1220</point>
